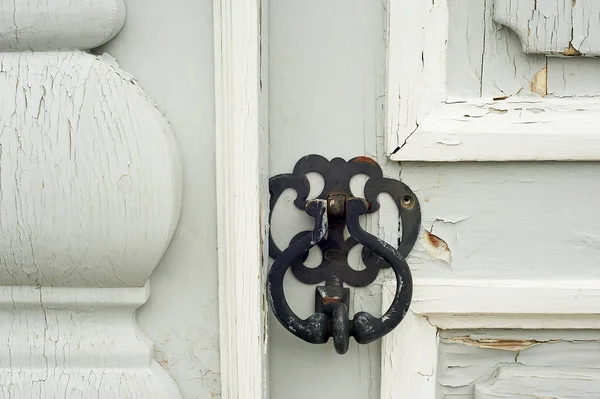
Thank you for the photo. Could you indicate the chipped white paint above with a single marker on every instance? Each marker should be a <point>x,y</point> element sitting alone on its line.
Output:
<point>59,24</point>
<point>489,106</point>
<point>548,364</point>
<point>436,247</point>
<point>552,27</point>
<point>242,174</point>
<point>477,304</point>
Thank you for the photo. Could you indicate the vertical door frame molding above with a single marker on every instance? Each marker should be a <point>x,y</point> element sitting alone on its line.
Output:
<point>242,194</point>
<point>409,353</point>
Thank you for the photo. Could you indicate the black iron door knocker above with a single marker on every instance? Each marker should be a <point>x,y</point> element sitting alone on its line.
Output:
<point>335,209</point>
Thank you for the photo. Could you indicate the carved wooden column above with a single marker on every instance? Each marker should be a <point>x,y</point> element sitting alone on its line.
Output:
<point>89,200</point>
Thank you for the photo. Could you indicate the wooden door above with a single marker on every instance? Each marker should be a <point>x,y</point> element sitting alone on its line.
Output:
<point>456,99</point>
<point>506,302</point>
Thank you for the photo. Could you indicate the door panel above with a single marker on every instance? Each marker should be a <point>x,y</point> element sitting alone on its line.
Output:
<point>488,364</point>
<point>531,222</point>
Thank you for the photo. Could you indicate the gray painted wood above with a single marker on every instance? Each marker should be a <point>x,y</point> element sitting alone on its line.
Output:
<point>327,71</point>
<point>518,364</point>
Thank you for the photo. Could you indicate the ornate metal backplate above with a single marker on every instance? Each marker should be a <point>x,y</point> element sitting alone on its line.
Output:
<point>335,209</point>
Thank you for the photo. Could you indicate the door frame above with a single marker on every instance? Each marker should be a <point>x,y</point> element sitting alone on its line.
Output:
<point>242,194</point>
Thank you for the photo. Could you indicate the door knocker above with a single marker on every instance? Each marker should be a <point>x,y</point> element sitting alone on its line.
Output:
<point>334,209</point>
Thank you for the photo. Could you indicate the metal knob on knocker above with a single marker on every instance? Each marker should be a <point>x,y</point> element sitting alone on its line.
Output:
<point>334,210</point>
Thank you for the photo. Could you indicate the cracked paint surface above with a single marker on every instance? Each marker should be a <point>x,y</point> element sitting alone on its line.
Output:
<point>493,364</point>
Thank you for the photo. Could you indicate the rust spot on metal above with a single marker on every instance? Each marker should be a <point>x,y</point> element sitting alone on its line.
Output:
<point>331,299</point>
<point>365,160</point>
<point>336,204</point>
<point>512,345</point>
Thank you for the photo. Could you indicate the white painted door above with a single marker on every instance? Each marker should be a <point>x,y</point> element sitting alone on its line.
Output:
<point>506,298</point>
<point>505,305</point>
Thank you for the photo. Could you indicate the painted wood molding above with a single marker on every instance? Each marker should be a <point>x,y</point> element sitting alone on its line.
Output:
<point>553,129</point>
<point>59,24</point>
<point>476,304</point>
<point>242,196</point>
<point>553,27</point>
<point>77,343</point>
<point>90,182</point>
<point>424,123</point>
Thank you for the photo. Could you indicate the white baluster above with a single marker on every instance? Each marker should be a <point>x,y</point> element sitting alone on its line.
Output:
<point>90,188</point>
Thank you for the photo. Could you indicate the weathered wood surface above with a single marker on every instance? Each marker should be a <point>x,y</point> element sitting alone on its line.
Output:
<point>494,364</point>
<point>462,88</point>
<point>552,27</point>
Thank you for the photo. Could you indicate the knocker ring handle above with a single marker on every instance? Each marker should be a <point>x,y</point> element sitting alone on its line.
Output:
<point>364,327</point>
<point>336,209</point>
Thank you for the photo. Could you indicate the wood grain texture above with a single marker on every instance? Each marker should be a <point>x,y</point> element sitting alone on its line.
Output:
<point>241,198</point>
<point>89,173</point>
<point>59,24</point>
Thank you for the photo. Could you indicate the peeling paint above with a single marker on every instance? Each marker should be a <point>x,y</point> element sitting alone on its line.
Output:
<point>571,51</point>
<point>539,83</point>
<point>436,247</point>
<point>500,344</point>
